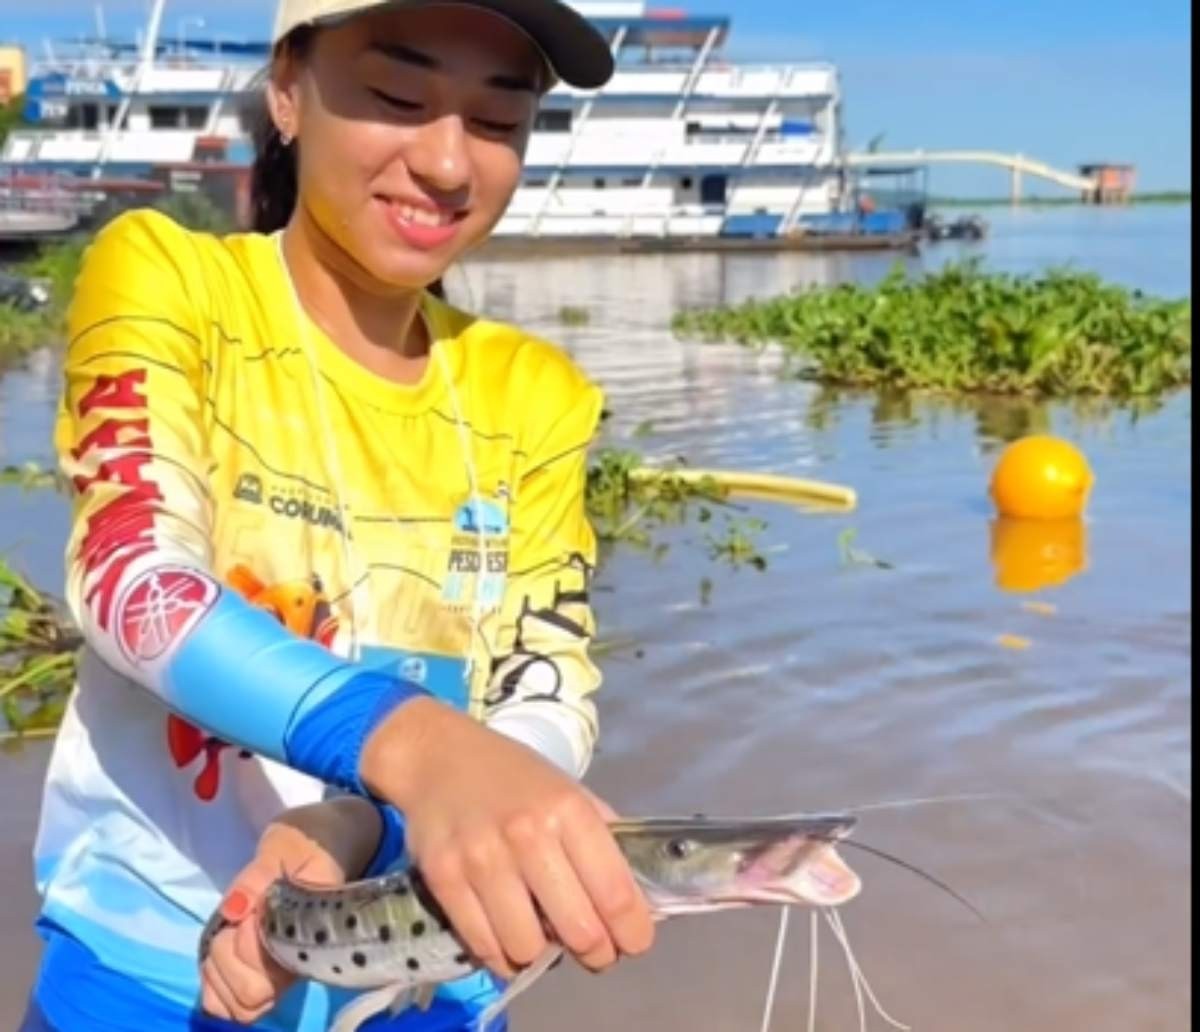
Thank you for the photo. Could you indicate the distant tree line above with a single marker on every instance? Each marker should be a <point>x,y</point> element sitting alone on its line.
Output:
<point>11,114</point>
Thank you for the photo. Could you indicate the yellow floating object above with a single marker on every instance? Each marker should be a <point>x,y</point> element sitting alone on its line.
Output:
<point>1041,608</point>
<point>1041,477</point>
<point>1029,555</point>
<point>768,487</point>
<point>1014,641</point>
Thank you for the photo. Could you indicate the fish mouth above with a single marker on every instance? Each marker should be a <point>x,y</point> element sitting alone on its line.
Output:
<point>797,870</point>
<point>787,860</point>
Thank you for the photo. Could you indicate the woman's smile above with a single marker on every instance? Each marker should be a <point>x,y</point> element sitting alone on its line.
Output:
<point>420,224</point>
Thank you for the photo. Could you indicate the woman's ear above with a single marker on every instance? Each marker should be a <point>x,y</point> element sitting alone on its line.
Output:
<point>283,97</point>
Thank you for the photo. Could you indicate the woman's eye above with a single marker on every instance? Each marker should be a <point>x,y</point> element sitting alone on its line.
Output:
<point>501,128</point>
<point>399,103</point>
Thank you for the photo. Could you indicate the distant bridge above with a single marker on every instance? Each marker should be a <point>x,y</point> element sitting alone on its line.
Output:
<point>1017,164</point>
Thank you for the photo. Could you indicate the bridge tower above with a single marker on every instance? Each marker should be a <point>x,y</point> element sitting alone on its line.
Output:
<point>1015,184</point>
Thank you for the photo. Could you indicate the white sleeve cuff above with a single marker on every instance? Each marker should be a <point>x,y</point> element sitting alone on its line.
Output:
<point>551,731</point>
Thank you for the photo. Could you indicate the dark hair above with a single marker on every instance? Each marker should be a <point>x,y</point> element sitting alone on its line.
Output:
<point>274,180</point>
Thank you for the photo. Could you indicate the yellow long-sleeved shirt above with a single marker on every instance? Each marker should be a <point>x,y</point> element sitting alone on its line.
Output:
<point>232,466</point>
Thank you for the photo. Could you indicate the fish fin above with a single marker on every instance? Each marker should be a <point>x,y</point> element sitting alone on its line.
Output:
<point>217,922</point>
<point>517,986</point>
<point>402,1001</point>
<point>393,998</point>
<point>423,996</point>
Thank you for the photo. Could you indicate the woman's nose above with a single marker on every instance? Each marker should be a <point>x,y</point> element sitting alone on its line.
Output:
<point>437,154</point>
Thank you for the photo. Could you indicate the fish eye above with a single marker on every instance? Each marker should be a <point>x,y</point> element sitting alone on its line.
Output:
<point>678,848</point>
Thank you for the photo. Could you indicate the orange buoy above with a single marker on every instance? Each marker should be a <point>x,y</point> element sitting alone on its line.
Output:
<point>1032,555</point>
<point>1041,478</point>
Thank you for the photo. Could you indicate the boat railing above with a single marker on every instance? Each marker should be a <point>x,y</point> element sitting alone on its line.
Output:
<point>791,66</point>
<point>769,136</point>
<point>90,68</point>
<point>41,194</point>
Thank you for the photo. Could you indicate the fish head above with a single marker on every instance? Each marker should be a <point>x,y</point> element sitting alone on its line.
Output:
<point>703,864</point>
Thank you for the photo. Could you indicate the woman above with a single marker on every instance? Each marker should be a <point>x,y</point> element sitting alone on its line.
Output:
<point>329,535</point>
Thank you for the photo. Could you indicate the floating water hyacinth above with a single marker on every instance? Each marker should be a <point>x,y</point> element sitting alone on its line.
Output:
<point>37,656</point>
<point>961,329</point>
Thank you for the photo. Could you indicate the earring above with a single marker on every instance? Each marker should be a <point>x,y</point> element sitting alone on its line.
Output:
<point>285,137</point>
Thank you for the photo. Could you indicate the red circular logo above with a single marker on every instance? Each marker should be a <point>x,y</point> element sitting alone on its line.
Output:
<point>159,608</point>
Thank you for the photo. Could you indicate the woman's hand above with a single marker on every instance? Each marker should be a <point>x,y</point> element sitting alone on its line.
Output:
<point>324,844</point>
<point>506,842</point>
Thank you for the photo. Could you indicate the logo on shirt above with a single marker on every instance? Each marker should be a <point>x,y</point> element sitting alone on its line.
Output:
<point>249,488</point>
<point>414,669</point>
<point>478,563</point>
<point>158,609</point>
<point>290,503</point>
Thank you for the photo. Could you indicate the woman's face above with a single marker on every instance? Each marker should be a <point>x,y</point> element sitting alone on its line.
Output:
<point>412,127</point>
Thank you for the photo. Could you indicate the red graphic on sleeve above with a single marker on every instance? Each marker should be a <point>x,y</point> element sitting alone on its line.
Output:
<point>158,610</point>
<point>122,529</point>
<point>185,742</point>
<point>119,392</point>
<point>303,608</point>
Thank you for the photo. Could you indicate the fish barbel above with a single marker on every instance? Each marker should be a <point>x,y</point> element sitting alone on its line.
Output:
<point>390,933</point>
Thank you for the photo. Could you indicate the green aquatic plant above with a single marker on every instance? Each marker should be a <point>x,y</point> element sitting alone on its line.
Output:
<point>56,266</point>
<point>195,210</point>
<point>30,476</point>
<point>572,315</point>
<point>21,333</point>
<point>625,507</point>
<point>962,329</point>
<point>37,655</point>
<point>737,544</point>
<point>12,114</point>
<point>852,556</point>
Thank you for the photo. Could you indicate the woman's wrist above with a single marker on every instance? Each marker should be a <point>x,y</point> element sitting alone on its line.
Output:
<point>397,751</point>
<point>348,829</point>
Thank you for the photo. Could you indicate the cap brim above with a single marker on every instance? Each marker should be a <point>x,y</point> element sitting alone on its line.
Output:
<point>575,51</point>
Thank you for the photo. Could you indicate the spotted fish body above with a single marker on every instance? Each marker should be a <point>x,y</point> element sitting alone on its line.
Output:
<point>390,936</point>
<point>391,931</point>
<point>388,930</point>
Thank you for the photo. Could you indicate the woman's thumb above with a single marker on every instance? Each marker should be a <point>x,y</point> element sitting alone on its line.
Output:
<point>247,889</point>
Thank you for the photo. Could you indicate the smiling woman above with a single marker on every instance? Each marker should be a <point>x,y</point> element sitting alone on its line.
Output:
<point>329,533</point>
<point>413,130</point>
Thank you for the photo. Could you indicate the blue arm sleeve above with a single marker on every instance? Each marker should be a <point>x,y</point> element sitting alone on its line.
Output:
<point>391,842</point>
<point>245,678</point>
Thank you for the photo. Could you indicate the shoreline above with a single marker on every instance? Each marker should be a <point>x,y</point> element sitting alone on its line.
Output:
<point>1167,198</point>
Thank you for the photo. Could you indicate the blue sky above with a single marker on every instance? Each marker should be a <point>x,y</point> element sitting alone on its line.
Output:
<point>1065,81</point>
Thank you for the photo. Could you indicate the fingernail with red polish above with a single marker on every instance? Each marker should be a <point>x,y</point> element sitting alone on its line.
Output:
<point>235,906</point>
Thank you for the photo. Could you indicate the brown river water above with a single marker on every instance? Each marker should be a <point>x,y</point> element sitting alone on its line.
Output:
<point>816,685</point>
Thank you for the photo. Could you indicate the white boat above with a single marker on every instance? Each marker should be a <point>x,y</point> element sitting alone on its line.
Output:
<point>680,145</point>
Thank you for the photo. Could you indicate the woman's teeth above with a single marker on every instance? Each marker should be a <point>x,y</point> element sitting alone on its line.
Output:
<point>424,217</point>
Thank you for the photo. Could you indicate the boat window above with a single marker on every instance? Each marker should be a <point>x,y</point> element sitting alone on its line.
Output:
<point>553,120</point>
<point>712,189</point>
<point>84,116</point>
<point>174,117</point>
